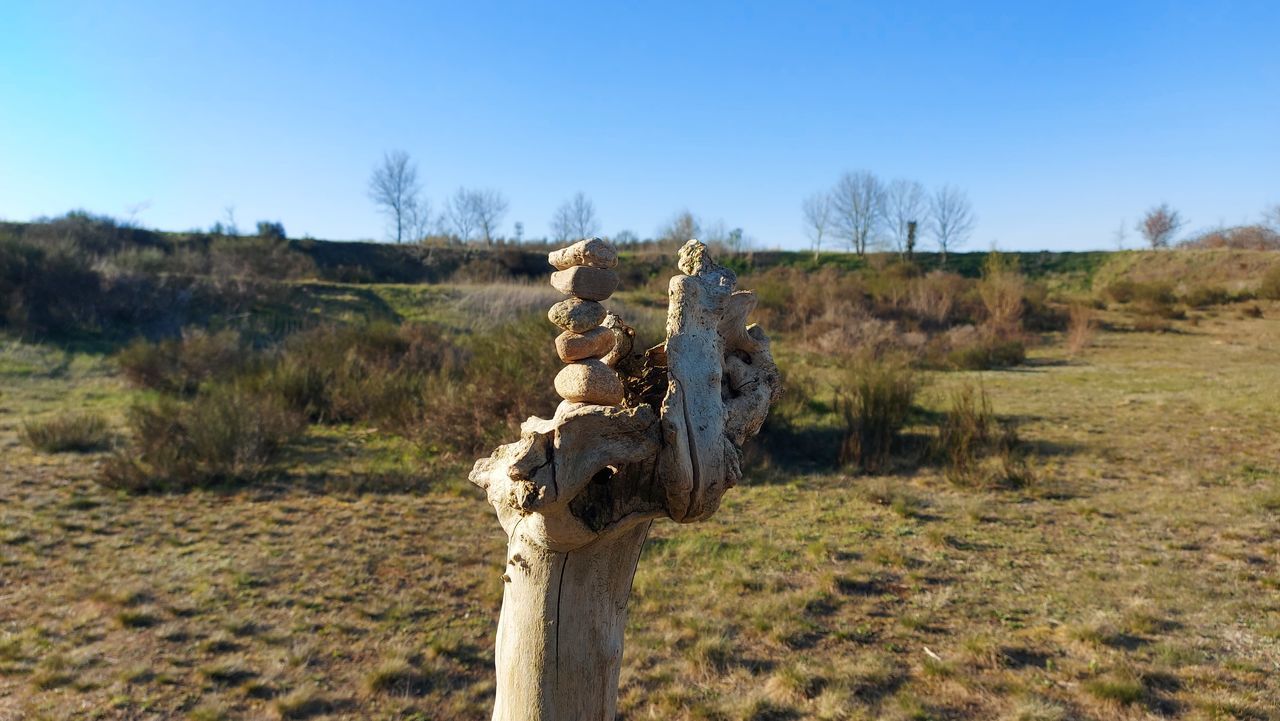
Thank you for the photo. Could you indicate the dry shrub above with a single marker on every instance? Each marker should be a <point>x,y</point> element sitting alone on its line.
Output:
<point>181,365</point>
<point>226,435</point>
<point>936,296</point>
<point>238,256</point>
<point>873,399</point>
<point>68,433</point>
<point>970,348</point>
<point>866,336</point>
<point>1269,288</point>
<point>1002,290</point>
<point>373,373</point>
<point>1204,296</point>
<point>1081,329</point>
<point>975,447</point>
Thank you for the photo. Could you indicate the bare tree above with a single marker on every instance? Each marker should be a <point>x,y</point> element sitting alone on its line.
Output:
<point>858,202</point>
<point>1159,225</point>
<point>476,211</point>
<point>906,202</point>
<point>230,213</point>
<point>394,188</point>
<point>682,227</point>
<point>489,207</point>
<point>575,219</point>
<point>818,217</point>
<point>1271,217</point>
<point>460,215</point>
<point>950,218</point>
<point>418,220</point>
<point>1121,235</point>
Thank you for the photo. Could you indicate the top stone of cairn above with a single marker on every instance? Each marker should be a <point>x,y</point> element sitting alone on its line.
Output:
<point>592,252</point>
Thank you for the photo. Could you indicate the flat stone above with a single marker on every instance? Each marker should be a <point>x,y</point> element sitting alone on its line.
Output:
<point>595,343</point>
<point>594,252</point>
<point>585,282</point>
<point>589,381</point>
<point>576,315</point>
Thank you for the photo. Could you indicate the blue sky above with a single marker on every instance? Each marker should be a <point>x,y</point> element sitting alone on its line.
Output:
<point>1059,119</point>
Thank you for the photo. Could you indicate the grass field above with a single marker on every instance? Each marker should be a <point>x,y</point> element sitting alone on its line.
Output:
<point>1136,576</point>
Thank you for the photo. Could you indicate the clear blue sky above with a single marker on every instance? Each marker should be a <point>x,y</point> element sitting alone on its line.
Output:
<point>1060,119</point>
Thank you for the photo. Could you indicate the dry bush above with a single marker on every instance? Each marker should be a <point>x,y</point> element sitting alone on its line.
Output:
<point>181,365</point>
<point>1081,329</point>
<point>975,447</point>
<point>1002,290</point>
<point>1204,296</point>
<point>68,433</point>
<point>936,296</point>
<point>1269,288</point>
<point>873,400</point>
<point>226,435</point>
<point>252,256</point>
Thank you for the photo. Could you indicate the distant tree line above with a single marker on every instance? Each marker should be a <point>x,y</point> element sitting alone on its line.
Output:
<point>863,213</point>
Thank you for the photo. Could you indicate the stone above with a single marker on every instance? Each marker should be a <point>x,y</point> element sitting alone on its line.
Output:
<point>576,315</point>
<point>593,252</point>
<point>595,343</point>
<point>590,381</point>
<point>585,282</point>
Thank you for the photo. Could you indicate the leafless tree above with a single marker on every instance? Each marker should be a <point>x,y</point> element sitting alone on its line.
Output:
<point>1121,235</point>
<point>906,202</point>
<point>858,202</point>
<point>1159,225</point>
<point>394,188</point>
<point>818,217</point>
<point>476,211</point>
<point>489,207</point>
<point>460,215</point>
<point>682,227</point>
<point>229,213</point>
<point>951,219</point>
<point>1271,217</point>
<point>418,220</point>
<point>575,219</point>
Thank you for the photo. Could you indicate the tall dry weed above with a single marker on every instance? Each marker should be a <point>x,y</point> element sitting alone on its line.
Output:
<point>1002,290</point>
<point>1081,329</point>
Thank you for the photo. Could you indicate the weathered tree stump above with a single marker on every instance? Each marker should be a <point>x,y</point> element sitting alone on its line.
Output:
<point>639,437</point>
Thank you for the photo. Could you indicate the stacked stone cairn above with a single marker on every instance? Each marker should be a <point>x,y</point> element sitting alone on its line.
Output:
<point>584,272</point>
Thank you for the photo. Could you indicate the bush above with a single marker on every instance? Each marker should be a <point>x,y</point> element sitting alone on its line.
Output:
<point>265,257</point>
<point>986,352</point>
<point>226,435</point>
<point>975,448</point>
<point>1269,288</point>
<point>1203,296</point>
<point>73,432</point>
<point>1002,290</point>
<point>1081,329</point>
<point>873,402</point>
<point>181,365</point>
<point>271,230</point>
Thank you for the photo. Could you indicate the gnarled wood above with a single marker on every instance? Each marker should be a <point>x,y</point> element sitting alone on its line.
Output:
<point>578,492</point>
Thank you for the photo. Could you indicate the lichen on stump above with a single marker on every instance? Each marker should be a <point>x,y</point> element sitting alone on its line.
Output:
<point>577,493</point>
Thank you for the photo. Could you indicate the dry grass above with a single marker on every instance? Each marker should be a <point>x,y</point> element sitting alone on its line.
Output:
<point>1135,579</point>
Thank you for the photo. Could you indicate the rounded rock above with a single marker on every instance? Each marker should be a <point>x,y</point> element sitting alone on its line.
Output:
<point>585,282</point>
<point>590,381</point>
<point>594,252</point>
<point>595,343</point>
<point>576,315</point>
